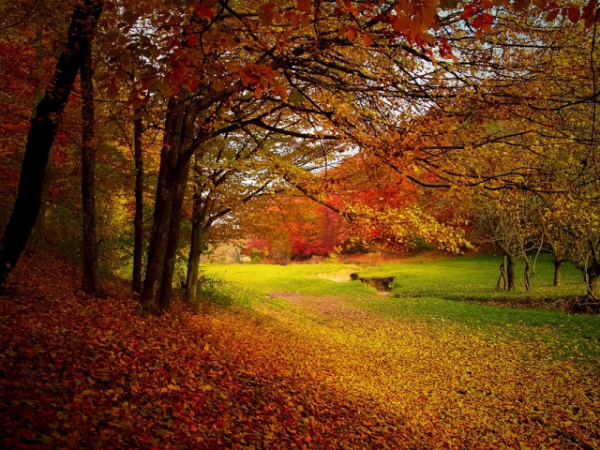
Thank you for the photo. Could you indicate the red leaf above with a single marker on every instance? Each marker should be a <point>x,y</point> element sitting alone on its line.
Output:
<point>469,11</point>
<point>573,14</point>
<point>487,18</point>
<point>551,15</point>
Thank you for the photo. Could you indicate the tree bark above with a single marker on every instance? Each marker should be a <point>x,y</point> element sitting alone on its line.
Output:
<point>592,281</point>
<point>138,223</point>
<point>172,180</point>
<point>594,271</point>
<point>42,132</point>
<point>88,178</point>
<point>166,289</point>
<point>502,278</point>
<point>526,276</point>
<point>557,271</point>
<point>197,245</point>
<point>37,240</point>
<point>180,184</point>
<point>38,234</point>
<point>510,272</point>
<point>162,209</point>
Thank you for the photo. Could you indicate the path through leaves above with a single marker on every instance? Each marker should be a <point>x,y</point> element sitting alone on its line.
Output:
<point>297,372</point>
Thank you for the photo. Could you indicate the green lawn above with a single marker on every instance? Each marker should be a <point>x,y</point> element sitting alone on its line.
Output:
<point>444,292</point>
<point>475,278</point>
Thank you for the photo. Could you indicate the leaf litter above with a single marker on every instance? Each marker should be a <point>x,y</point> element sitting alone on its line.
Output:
<point>80,372</point>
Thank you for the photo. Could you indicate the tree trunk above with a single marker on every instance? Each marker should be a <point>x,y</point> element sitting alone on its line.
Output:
<point>88,178</point>
<point>526,276</point>
<point>557,272</point>
<point>167,210</point>
<point>197,246</point>
<point>592,280</point>
<point>42,133</point>
<point>138,243</point>
<point>162,210</point>
<point>502,278</point>
<point>510,272</point>
<point>180,185</point>
<point>173,242</point>
<point>36,240</point>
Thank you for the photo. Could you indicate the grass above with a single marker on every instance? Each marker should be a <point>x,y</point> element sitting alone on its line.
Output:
<point>474,278</point>
<point>444,292</point>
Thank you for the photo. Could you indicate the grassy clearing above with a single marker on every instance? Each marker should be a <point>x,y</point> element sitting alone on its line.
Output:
<point>475,278</point>
<point>446,291</point>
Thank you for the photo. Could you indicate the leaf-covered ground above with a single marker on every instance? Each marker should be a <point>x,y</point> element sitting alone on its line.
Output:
<point>297,371</point>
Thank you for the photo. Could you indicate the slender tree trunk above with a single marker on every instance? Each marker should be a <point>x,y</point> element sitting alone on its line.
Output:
<point>138,244</point>
<point>42,133</point>
<point>167,209</point>
<point>88,181</point>
<point>173,240</point>
<point>199,231</point>
<point>557,271</point>
<point>197,246</point>
<point>162,210</point>
<point>502,278</point>
<point>510,272</point>
<point>180,185</point>
<point>526,276</point>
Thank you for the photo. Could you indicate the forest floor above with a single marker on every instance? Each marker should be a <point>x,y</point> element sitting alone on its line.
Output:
<point>291,371</point>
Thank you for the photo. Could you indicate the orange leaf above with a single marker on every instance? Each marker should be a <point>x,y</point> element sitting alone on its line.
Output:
<point>351,33</point>
<point>304,6</point>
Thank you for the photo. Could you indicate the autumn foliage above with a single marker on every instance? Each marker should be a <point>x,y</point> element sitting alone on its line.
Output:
<point>306,128</point>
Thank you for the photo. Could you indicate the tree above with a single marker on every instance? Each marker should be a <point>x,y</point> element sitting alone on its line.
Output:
<point>88,181</point>
<point>42,132</point>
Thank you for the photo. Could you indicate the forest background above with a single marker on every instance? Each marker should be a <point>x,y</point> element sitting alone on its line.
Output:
<point>153,131</point>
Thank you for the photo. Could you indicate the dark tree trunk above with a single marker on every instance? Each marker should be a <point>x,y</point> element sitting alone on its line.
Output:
<point>510,272</point>
<point>592,280</point>
<point>162,209</point>
<point>502,278</point>
<point>526,276</point>
<point>557,271</point>
<point>180,183</point>
<point>36,240</point>
<point>197,246</point>
<point>172,179</point>
<point>138,244</point>
<point>88,178</point>
<point>42,133</point>
<point>173,242</point>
